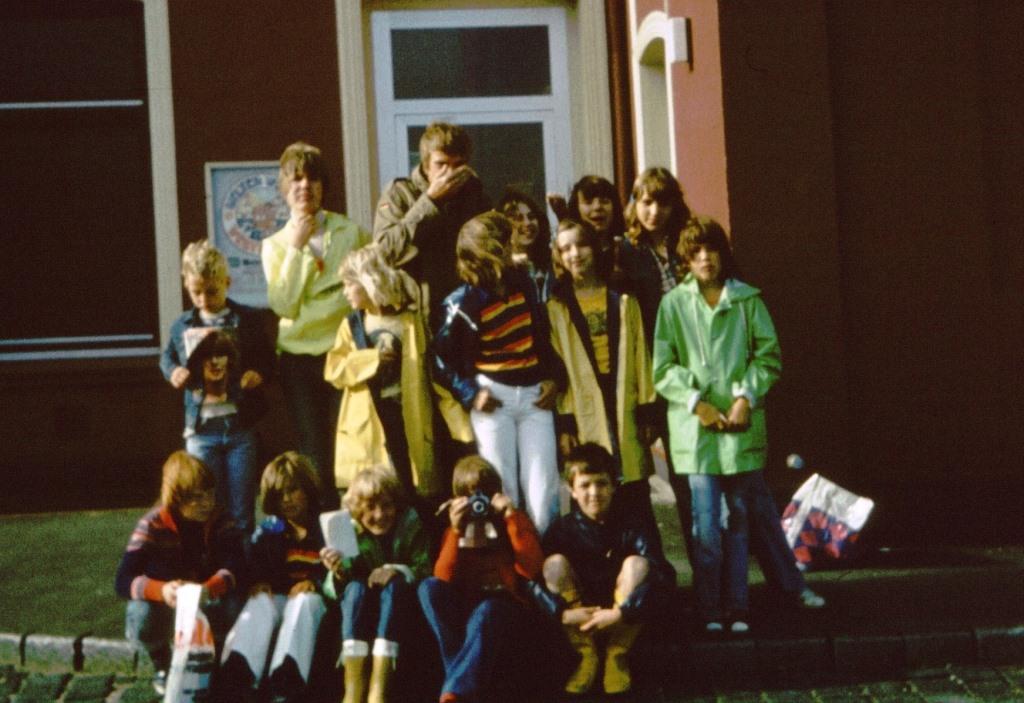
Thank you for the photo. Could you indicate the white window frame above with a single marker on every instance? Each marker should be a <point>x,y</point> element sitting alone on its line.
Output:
<point>657,43</point>
<point>394,117</point>
<point>591,95</point>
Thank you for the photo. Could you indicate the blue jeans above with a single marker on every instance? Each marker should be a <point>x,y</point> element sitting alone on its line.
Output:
<point>384,611</point>
<point>720,545</point>
<point>231,454</point>
<point>313,405</point>
<point>149,625</point>
<point>474,636</point>
<point>768,541</point>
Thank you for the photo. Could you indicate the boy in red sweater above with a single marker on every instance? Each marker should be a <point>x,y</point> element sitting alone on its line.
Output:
<point>480,602</point>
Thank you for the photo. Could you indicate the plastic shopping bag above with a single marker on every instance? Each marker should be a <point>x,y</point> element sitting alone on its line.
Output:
<point>188,680</point>
<point>823,521</point>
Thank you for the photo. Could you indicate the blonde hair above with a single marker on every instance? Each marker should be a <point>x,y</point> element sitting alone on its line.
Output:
<point>183,474</point>
<point>374,482</point>
<point>481,251</point>
<point>282,473</point>
<point>474,473</point>
<point>303,158</point>
<point>385,286</point>
<point>203,260</point>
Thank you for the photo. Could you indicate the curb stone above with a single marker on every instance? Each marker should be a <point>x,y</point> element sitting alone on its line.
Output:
<point>49,652</point>
<point>10,648</point>
<point>106,655</point>
<point>1000,645</point>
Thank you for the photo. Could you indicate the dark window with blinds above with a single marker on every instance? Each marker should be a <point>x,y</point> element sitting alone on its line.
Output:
<point>78,270</point>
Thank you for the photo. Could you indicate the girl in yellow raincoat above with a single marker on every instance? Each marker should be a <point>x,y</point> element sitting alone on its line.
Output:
<point>599,334</point>
<point>379,362</point>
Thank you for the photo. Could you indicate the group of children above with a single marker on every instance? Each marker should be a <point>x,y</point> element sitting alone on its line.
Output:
<point>573,352</point>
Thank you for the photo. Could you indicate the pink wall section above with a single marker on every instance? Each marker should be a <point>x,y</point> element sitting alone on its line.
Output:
<point>697,103</point>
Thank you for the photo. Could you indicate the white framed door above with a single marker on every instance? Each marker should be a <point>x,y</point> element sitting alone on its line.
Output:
<point>502,74</point>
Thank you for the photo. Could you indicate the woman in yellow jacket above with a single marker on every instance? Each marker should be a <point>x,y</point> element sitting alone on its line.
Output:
<point>300,263</point>
<point>599,334</point>
<point>379,362</point>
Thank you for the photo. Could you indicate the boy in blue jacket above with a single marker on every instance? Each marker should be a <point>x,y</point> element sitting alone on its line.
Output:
<point>223,400</point>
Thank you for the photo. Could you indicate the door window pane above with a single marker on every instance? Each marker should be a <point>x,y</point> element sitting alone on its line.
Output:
<point>503,154</point>
<point>463,62</point>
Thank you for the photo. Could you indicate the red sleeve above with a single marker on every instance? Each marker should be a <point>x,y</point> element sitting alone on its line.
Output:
<point>219,584</point>
<point>444,568</point>
<point>525,545</point>
<point>145,588</point>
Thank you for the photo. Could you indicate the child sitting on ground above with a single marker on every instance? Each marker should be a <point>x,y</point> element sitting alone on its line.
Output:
<point>287,576</point>
<point>478,603</point>
<point>607,567</point>
<point>220,413</point>
<point>379,363</point>
<point>377,587</point>
<point>184,539</point>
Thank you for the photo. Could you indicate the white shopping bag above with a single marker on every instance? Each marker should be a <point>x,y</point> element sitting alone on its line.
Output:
<point>192,662</point>
<point>250,637</point>
<point>823,521</point>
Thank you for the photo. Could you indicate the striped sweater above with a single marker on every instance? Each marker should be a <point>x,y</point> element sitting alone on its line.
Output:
<point>506,352</point>
<point>163,548</point>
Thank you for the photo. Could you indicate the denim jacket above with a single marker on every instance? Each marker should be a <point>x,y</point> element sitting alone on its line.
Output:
<point>254,351</point>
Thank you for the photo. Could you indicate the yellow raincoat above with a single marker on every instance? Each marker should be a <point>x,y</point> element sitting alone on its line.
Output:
<point>361,439</point>
<point>634,385</point>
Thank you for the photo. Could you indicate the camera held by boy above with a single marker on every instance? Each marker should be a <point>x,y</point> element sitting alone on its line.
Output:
<point>490,616</point>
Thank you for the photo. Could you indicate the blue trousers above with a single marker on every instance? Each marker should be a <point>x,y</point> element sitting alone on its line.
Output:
<point>473,636</point>
<point>231,454</point>
<point>720,544</point>
<point>382,612</point>
<point>149,625</point>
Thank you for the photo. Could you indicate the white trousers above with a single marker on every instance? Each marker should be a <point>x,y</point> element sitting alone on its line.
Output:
<point>519,439</point>
<point>296,621</point>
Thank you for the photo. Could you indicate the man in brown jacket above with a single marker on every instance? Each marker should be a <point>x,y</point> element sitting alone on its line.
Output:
<point>418,218</point>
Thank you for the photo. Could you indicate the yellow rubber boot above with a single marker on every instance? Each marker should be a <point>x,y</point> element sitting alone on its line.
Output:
<point>385,658</point>
<point>353,657</point>
<point>616,658</point>
<point>583,678</point>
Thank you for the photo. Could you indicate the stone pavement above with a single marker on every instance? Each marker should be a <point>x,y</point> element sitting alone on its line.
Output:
<point>947,684</point>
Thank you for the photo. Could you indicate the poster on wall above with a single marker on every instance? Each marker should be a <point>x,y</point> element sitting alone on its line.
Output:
<point>243,206</point>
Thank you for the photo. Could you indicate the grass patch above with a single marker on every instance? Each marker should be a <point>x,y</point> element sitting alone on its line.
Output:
<point>58,572</point>
<point>58,569</point>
